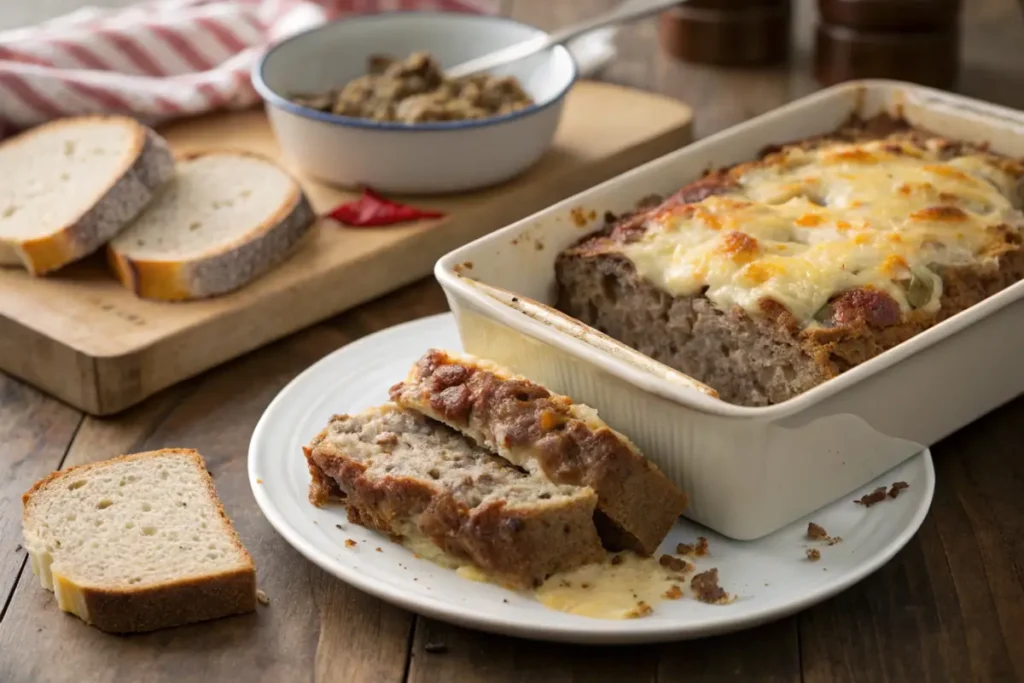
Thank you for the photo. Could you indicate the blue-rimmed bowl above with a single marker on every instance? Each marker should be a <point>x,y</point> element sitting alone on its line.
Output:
<point>448,156</point>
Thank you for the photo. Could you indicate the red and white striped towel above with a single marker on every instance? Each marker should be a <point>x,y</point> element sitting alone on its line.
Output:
<point>159,59</point>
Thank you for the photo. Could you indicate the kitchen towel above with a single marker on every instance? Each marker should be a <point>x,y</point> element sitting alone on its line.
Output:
<point>165,59</point>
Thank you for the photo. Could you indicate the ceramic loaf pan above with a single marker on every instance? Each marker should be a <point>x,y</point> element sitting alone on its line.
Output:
<point>749,471</point>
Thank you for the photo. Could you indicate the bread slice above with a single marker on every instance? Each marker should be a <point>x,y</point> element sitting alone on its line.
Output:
<point>72,184</point>
<point>402,474</point>
<point>137,543</point>
<point>544,432</point>
<point>225,219</point>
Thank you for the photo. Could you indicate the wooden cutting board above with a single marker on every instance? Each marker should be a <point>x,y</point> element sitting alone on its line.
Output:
<point>83,338</point>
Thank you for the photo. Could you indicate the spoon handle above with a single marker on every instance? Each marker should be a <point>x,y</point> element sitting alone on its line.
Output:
<point>624,12</point>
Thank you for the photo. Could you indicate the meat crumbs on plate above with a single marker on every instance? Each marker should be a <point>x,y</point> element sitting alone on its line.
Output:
<point>881,493</point>
<point>816,532</point>
<point>642,609</point>
<point>897,487</point>
<point>706,589</point>
<point>699,549</point>
<point>673,563</point>
<point>869,499</point>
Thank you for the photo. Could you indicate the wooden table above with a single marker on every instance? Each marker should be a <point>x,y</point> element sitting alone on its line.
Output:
<point>949,607</point>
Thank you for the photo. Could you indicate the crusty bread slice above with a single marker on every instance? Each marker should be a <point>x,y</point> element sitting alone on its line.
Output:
<point>402,474</point>
<point>541,431</point>
<point>71,185</point>
<point>225,219</point>
<point>137,543</point>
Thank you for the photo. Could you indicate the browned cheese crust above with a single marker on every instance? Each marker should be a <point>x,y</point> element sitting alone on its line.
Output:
<point>765,359</point>
<point>426,476</point>
<point>524,422</point>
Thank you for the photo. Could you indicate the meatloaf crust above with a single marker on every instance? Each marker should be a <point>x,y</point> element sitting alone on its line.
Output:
<point>768,355</point>
<point>396,471</point>
<point>533,428</point>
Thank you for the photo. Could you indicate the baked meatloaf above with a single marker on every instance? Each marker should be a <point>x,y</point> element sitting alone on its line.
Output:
<point>770,277</point>
<point>401,473</point>
<point>544,432</point>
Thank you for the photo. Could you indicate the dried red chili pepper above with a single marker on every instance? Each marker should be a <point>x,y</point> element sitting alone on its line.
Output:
<point>372,210</point>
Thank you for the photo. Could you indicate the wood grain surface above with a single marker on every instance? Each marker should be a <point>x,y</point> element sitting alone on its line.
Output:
<point>949,607</point>
<point>82,337</point>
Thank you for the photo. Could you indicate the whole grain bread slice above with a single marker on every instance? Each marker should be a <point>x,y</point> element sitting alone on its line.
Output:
<point>544,432</point>
<point>73,184</point>
<point>401,474</point>
<point>137,543</point>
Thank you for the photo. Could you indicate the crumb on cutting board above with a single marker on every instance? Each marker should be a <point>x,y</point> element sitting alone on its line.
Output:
<point>261,597</point>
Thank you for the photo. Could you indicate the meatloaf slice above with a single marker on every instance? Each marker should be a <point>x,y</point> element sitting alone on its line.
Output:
<point>544,432</point>
<point>394,469</point>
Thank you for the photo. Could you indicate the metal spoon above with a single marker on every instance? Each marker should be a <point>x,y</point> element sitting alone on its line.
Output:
<point>629,10</point>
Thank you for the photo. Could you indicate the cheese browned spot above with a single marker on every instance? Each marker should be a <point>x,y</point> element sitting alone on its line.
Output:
<point>807,224</point>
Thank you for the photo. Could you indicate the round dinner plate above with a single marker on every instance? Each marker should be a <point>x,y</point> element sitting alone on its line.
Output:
<point>771,577</point>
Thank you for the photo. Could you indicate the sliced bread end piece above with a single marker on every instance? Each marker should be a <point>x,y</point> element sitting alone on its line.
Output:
<point>73,184</point>
<point>225,219</point>
<point>137,543</point>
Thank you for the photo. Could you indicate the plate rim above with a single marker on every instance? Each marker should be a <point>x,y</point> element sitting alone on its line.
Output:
<point>630,632</point>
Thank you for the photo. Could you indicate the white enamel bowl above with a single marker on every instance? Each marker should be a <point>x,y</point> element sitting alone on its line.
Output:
<point>428,158</point>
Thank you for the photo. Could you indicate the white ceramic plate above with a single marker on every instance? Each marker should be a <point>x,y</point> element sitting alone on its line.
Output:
<point>770,576</point>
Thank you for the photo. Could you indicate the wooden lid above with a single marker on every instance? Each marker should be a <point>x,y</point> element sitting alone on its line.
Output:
<point>890,15</point>
<point>929,58</point>
<point>734,37</point>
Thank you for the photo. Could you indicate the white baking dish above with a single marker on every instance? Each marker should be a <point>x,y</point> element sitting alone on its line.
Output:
<point>750,471</point>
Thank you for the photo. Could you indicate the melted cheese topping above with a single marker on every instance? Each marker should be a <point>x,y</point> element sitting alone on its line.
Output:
<point>807,224</point>
<point>627,589</point>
